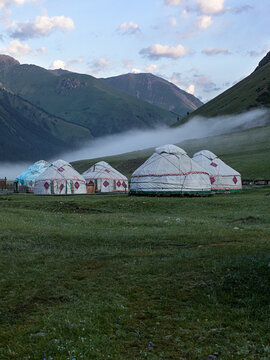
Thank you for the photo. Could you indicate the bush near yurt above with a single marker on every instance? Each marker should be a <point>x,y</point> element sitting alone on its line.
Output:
<point>60,179</point>
<point>103,178</point>
<point>170,171</point>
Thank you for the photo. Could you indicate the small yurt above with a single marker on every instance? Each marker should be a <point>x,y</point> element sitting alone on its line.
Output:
<point>222,176</point>
<point>26,180</point>
<point>60,179</point>
<point>170,171</point>
<point>102,177</point>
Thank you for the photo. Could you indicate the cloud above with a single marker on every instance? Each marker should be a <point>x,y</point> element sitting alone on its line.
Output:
<point>127,63</point>
<point>128,28</point>
<point>210,6</point>
<point>158,51</point>
<point>58,64</point>
<point>172,2</point>
<point>78,60</point>
<point>136,71</point>
<point>191,89</point>
<point>240,9</point>
<point>17,49</point>
<point>204,21</point>
<point>215,51</point>
<point>41,26</point>
<point>151,68</point>
<point>254,53</point>
<point>99,65</point>
<point>6,3</point>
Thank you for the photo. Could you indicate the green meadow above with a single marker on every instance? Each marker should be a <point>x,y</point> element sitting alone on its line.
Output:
<point>120,277</point>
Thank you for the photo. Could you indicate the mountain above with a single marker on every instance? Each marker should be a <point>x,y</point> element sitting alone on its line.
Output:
<point>29,133</point>
<point>252,92</point>
<point>156,91</point>
<point>80,99</point>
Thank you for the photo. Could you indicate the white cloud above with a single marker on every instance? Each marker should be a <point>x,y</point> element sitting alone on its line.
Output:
<point>215,51</point>
<point>173,2</point>
<point>158,51</point>
<point>127,63</point>
<point>191,89</point>
<point>17,49</point>
<point>136,71</point>
<point>58,64</point>
<point>41,26</point>
<point>210,6</point>
<point>151,68</point>
<point>128,28</point>
<point>5,3</point>
<point>204,21</point>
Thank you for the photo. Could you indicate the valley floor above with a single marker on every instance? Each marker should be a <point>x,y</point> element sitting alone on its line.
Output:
<point>120,277</point>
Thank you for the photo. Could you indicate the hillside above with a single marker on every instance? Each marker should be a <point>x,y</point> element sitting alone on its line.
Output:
<point>251,92</point>
<point>81,99</point>
<point>156,91</point>
<point>28,133</point>
<point>247,151</point>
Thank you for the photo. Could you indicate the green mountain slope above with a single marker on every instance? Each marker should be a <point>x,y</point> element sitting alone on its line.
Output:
<point>247,151</point>
<point>251,92</point>
<point>28,133</point>
<point>157,91</point>
<point>82,99</point>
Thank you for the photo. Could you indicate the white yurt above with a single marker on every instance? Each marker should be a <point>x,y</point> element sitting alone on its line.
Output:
<point>102,177</point>
<point>26,180</point>
<point>60,179</point>
<point>170,171</point>
<point>222,176</point>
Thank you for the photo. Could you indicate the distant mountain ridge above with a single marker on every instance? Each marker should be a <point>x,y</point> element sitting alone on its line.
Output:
<point>80,99</point>
<point>29,133</point>
<point>156,91</point>
<point>250,93</point>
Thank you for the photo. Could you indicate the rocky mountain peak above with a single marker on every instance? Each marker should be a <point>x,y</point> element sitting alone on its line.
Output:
<point>264,61</point>
<point>8,61</point>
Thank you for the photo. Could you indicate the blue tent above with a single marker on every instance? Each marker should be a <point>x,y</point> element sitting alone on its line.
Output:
<point>28,177</point>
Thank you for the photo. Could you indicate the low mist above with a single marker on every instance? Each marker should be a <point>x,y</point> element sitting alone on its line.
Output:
<point>197,127</point>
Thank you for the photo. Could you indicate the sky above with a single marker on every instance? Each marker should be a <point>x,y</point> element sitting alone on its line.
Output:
<point>202,46</point>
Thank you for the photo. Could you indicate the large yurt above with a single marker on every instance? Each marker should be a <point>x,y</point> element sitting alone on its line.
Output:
<point>26,180</point>
<point>170,171</point>
<point>60,179</point>
<point>103,178</point>
<point>222,176</point>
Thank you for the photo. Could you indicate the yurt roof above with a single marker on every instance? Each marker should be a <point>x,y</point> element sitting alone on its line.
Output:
<point>170,149</point>
<point>103,170</point>
<point>60,169</point>
<point>168,160</point>
<point>213,164</point>
<point>33,171</point>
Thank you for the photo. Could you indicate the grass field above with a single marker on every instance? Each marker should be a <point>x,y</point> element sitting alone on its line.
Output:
<point>119,277</point>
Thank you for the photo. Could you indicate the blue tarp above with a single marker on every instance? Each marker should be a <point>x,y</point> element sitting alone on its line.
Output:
<point>28,177</point>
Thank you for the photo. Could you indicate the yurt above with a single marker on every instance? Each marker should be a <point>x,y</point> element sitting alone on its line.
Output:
<point>102,177</point>
<point>60,179</point>
<point>222,176</point>
<point>26,180</point>
<point>170,171</point>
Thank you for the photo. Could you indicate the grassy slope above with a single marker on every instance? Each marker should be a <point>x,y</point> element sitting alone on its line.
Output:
<point>98,277</point>
<point>84,100</point>
<point>252,92</point>
<point>247,151</point>
<point>27,132</point>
